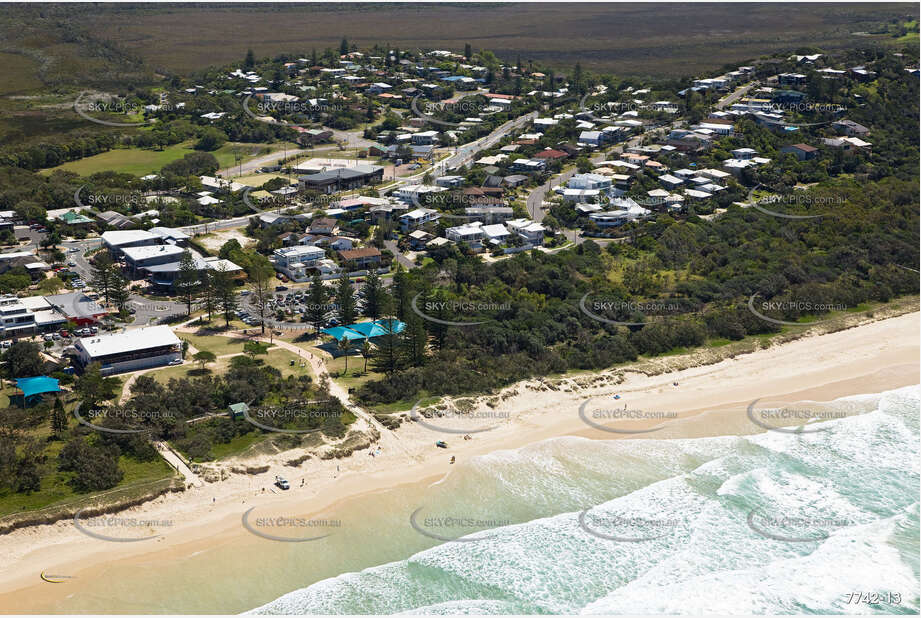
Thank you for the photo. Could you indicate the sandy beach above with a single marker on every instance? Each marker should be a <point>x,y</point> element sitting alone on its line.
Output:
<point>707,400</point>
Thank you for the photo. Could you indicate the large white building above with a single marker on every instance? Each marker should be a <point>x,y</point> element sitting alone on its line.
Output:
<point>298,261</point>
<point>22,317</point>
<point>116,241</point>
<point>142,348</point>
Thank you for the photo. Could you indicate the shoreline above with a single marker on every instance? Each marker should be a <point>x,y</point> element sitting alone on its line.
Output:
<point>710,400</point>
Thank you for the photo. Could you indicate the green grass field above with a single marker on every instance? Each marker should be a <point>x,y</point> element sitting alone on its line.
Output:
<point>141,162</point>
<point>214,343</point>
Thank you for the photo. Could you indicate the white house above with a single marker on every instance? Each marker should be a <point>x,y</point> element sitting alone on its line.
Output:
<point>295,261</point>
<point>470,233</point>
<point>496,234</point>
<point>530,231</point>
<point>589,181</point>
<point>415,219</point>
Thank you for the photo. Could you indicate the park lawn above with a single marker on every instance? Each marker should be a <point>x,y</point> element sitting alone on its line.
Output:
<point>336,366</point>
<point>281,359</point>
<point>140,161</point>
<point>136,161</point>
<point>257,180</point>
<point>163,376</point>
<point>214,343</point>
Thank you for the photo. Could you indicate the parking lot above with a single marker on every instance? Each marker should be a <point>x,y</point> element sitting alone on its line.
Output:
<point>293,303</point>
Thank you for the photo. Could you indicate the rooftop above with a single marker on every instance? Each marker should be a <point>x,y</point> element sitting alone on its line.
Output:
<point>129,341</point>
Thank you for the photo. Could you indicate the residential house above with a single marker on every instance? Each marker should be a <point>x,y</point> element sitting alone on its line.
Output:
<point>323,226</point>
<point>802,152</point>
<point>529,231</point>
<point>415,219</point>
<point>514,180</point>
<point>850,128</point>
<point>496,234</point>
<point>670,182</point>
<point>297,262</point>
<point>364,257</point>
<point>469,233</point>
<point>115,220</point>
<point>418,239</point>
<point>743,153</point>
<point>847,144</point>
<point>551,154</point>
<point>489,214</point>
<point>449,182</point>
<point>528,166</point>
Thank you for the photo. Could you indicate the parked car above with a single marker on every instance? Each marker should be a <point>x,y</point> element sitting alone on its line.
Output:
<point>281,288</point>
<point>65,334</point>
<point>282,483</point>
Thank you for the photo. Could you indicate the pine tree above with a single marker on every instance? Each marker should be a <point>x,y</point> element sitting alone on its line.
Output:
<point>316,302</point>
<point>343,47</point>
<point>372,291</point>
<point>345,299</point>
<point>187,281</point>
<point>225,293</point>
<point>104,271</point>
<point>415,340</point>
<point>260,280</point>
<point>345,347</point>
<point>250,60</point>
<point>208,292</point>
<point>468,51</point>
<point>366,351</point>
<point>401,297</point>
<point>58,419</point>
<point>386,358</point>
<point>118,292</point>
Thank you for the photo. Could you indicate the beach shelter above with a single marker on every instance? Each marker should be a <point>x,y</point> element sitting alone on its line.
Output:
<point>237,410</point>
<point>364,330</point>
<point>36,385</point>
<point>342,332</point>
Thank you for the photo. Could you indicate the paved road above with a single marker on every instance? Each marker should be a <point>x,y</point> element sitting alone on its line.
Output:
<point>465,153</point>
<point>352,139</point>
<point>404,261</point>
<point>733,97</point>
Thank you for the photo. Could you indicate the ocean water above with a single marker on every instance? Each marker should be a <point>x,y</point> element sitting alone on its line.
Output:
<point>774,523</point>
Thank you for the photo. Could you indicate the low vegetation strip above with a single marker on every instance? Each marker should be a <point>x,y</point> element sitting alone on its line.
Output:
<point>97,504</point>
